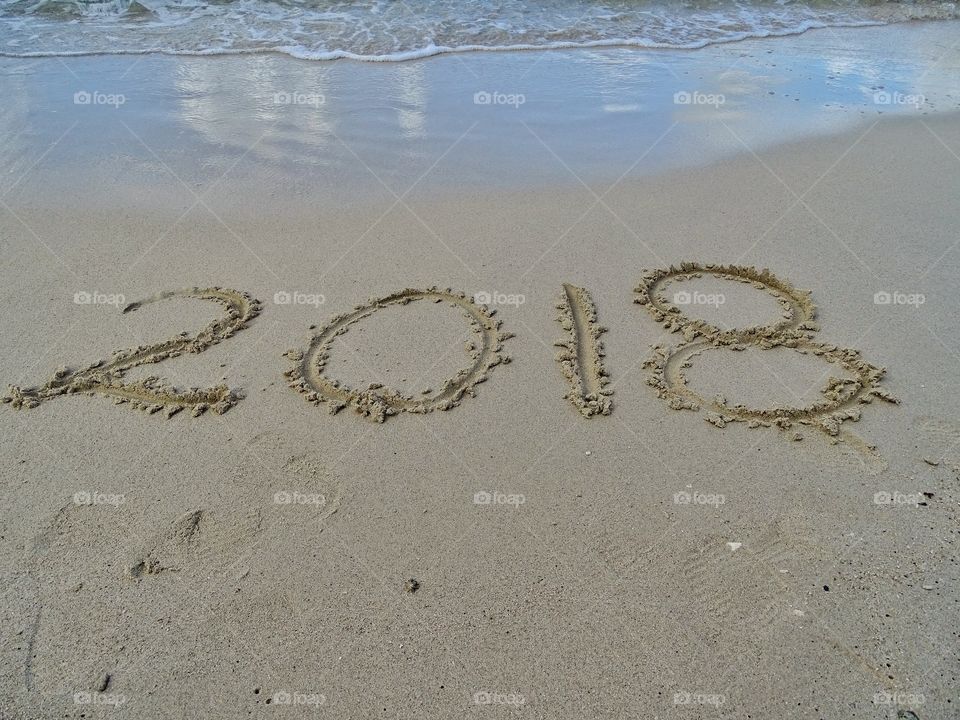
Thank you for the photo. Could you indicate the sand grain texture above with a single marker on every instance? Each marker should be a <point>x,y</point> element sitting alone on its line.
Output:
<point>581,358</point>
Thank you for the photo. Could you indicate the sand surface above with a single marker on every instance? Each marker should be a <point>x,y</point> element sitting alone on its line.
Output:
<point>496,550</point>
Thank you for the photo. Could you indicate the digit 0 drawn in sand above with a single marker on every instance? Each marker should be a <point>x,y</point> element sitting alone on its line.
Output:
<point>152,394</point>
<point>377,402</point>
<point>843,397</point>
<point>581,358</point>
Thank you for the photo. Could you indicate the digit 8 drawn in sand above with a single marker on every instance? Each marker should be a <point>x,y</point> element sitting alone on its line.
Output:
<point>152,394</point>
<point>842,396</point>
<point>378,402</point>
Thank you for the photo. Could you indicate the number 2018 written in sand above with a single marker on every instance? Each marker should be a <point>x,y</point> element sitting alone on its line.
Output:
<point>581,357</point>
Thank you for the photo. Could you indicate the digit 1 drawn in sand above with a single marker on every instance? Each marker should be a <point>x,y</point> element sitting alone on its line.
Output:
<point>842,396</point>
<point>378,402</point>
<point>581,358</point>
<point>152,394</point>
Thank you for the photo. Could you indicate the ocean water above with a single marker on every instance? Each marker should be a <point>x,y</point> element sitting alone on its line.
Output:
<point>393,30</point>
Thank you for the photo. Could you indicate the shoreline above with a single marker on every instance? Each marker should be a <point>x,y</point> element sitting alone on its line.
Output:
<point>434,50</point>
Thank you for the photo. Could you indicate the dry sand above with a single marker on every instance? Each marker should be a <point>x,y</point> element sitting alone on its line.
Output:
<point>507,555</point>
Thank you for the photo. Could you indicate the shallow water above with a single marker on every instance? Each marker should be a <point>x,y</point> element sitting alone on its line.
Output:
<point>477,121</point>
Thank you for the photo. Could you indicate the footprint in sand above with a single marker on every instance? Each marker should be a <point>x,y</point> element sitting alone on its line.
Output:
<point>198,540</point>
<point>319,491</point>
<point>737,584</point>
<point>102,577</point>
<point>279,472</point>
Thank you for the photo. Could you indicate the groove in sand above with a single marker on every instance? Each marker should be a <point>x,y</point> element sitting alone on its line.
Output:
<point>843,397</point>
<point>377,402</point>
<point>152,394</point>
<point>797,320</point>
<point>581,357</point>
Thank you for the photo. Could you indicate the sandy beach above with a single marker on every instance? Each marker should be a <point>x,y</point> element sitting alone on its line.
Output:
<point>375,404</point>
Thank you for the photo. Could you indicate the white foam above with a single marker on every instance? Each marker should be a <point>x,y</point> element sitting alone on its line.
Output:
<point>375,32</point>
<point>304,53</point>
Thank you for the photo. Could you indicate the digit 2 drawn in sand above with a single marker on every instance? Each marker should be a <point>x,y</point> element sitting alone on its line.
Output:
<point>842,396</point>
<point>377,402</point>
<point>152,394</point>
<point>581,358</point>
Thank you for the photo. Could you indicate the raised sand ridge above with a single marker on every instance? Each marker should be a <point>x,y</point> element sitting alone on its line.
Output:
<point>842,397</point>
<point>581,356</point>
<point>152,394</point>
